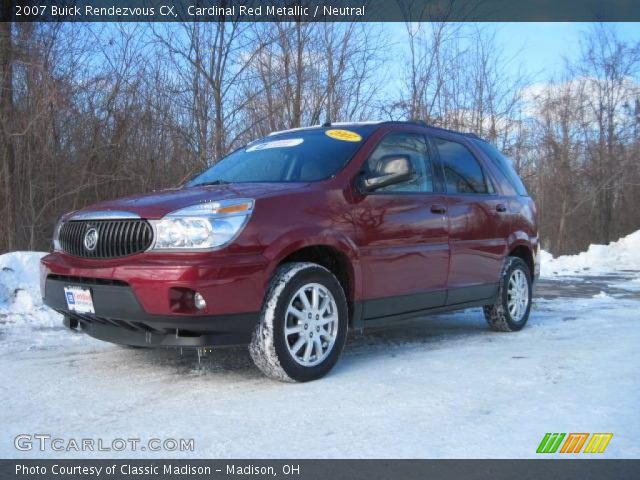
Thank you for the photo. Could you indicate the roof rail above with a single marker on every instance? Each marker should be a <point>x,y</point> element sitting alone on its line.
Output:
<point>473,135</point>
<point>466,134</point>
<point>418,122</point>
<point>328,124</point>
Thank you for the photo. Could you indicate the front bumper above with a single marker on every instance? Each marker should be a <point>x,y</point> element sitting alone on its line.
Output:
<point>120,319</point>
<point>131,298</point>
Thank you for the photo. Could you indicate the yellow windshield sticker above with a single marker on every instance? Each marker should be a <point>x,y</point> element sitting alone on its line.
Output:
<point>344,135</point>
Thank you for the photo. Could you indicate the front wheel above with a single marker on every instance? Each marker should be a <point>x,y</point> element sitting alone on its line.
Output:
<point>303,324</point>
<point>511,309</point>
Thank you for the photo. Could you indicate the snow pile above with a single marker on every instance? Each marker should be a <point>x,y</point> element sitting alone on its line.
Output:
<point>20,298</point>
<point>598,259</point>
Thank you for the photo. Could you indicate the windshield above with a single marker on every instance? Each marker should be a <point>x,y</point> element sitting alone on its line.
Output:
<point>298,156</point>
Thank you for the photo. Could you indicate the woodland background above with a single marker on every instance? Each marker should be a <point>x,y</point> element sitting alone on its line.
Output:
<point>96,111</point>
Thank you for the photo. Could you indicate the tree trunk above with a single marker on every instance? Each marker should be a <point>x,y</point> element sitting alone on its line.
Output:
<point>7,154</point>
<point>297,102</point>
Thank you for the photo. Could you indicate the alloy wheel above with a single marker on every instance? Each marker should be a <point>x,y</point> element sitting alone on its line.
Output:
<point>311,326</point>
<point>518,295</point>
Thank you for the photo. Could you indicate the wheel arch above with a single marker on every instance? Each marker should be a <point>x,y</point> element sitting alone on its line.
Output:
<point>525,253</point>
<point>335,254</point>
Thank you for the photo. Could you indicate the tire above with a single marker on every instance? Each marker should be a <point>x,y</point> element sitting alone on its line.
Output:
<point>286,357</point>
<point>504,316</point>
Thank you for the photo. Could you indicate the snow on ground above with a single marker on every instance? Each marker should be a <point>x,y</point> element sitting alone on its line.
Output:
<point>598,259</point>
<point>436,388</point>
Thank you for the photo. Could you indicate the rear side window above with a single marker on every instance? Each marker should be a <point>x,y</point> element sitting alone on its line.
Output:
<point>413,145</point>
<point>463,173</point>
<point>504,164</point>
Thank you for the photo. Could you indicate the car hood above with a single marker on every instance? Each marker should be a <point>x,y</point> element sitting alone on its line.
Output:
<point>158,204</point>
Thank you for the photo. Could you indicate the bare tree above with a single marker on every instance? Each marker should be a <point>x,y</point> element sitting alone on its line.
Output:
<point>6,114</point>
<point>96,111</point>
<point>607,67</point>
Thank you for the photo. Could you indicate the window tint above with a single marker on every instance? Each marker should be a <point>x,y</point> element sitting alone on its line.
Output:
<point>412,145</point>
<point>462,171</point>
<point>504,164</point>
<point>296,156</point>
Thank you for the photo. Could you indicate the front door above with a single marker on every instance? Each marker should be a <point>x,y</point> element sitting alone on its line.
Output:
<point>402,235</point>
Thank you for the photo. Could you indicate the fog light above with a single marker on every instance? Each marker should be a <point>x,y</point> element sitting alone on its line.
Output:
<point>186,300</point>
<point>198,301</point>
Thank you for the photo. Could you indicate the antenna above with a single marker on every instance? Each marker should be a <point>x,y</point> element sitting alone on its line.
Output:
<point>327,122</point>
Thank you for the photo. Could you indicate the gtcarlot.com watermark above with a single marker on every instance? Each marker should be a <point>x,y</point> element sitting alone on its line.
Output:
<point>26,442</point>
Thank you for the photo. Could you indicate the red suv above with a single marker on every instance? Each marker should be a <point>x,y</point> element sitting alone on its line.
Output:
<point>293,239</point>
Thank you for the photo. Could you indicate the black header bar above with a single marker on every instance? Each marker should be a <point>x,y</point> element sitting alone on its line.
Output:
<point>583,469</point>
<point>324,10</point>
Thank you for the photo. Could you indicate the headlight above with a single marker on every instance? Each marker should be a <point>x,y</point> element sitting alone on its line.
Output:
<point>204,226</point>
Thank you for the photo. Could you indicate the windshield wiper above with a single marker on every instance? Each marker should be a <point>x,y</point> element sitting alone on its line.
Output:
<point>212,182</point>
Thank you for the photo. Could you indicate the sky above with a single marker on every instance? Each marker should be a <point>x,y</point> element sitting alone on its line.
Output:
<point>540,47</point>
<point>537,49</point>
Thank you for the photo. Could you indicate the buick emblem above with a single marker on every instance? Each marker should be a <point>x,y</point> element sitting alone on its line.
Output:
<point>91,239</point>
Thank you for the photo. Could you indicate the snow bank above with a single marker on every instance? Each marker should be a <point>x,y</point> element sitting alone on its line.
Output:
<point>598,259</point>
<point>20,299</point>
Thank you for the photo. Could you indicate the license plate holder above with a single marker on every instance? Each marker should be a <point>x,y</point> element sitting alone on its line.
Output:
<point>79,299</point>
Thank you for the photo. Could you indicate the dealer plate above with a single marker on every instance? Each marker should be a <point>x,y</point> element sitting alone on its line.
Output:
<point>79,299</point>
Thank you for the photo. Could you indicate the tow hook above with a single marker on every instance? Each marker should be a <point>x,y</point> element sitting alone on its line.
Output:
<point>71,323</point>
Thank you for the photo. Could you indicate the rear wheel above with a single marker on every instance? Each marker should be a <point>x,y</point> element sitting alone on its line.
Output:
<point>511,309</point>
<point>303,324</point>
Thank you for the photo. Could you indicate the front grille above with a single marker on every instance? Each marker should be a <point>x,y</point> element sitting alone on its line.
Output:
<point>115,238</point>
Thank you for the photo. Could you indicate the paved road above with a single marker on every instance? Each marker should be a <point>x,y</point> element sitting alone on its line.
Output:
<point>586,286</point>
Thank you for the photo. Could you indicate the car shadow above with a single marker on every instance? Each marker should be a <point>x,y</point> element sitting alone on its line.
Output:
<point>431,332</point>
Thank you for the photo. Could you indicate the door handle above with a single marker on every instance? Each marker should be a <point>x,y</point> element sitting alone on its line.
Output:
<point>501,207</point>
<point>437,208</point>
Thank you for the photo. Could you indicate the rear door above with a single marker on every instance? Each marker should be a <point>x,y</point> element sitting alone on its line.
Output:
<point>478,222</point>
<point>402,234</point>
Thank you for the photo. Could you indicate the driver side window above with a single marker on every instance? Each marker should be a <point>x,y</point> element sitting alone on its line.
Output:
<point>415,147</point>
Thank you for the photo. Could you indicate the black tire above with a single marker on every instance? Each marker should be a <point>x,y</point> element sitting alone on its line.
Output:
<point>269,349</point>
<point>498,315</point>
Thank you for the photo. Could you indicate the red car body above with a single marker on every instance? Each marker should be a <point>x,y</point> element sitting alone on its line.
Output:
<point>396,255</point>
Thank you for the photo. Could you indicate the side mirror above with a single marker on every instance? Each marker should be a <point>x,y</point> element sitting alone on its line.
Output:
<point>391,170</point>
